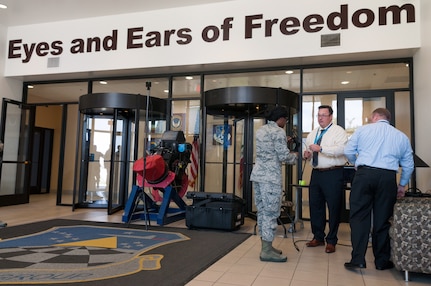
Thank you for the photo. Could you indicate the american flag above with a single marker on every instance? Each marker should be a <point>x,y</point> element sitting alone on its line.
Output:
<point>194,165</point>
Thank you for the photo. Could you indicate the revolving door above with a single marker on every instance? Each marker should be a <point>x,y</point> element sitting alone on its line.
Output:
<point>113,132</point>
<point>231,116</point>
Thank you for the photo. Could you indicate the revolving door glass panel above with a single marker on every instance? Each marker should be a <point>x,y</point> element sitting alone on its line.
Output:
<point>232,116</point>
<point>96,160</point>
<point>104,170</point>
<point>224,153</point>
<point>229,155</point>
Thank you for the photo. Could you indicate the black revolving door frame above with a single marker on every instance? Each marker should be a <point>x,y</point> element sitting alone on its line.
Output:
<point>245,104</point>
<point>128,117</point>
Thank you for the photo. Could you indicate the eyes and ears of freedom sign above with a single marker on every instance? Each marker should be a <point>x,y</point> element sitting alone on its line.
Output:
<point>70,254</point>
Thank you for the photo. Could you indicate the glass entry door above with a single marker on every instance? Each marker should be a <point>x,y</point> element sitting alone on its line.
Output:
<point>17,126</point>
<point>104,165</point>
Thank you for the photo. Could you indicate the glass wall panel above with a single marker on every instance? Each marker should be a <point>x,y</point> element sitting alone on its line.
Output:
<point>159,86</point>
<point>16,138</point>
<point>56,92</point>
<point>219,151</point>
<point>186,87</point>
<point>358,111</point>
<point>361,77</point>
<point>286,79</point>
<point>402,112</point>
<point>185,117</point>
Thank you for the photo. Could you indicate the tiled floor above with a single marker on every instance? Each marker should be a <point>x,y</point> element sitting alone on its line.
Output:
<point>308,266</point>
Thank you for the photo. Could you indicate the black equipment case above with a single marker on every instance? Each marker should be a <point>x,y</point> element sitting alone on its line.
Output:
<point>215,210</point>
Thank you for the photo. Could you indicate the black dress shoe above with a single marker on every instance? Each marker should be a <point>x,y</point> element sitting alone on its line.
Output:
<point>387,265</point>
<point>351,265</point>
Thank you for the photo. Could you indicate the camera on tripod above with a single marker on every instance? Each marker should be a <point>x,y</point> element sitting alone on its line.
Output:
<point>176,153</point>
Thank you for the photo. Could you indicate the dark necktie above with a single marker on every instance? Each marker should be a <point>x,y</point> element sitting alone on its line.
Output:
<point>316,154</point>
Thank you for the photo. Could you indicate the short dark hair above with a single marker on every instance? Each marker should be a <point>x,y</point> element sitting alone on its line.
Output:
<point>331,111</point>
<point>383,112</point>
<point>276,113</point>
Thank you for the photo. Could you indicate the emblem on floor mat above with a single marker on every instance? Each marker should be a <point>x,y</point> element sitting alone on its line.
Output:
<point>80,253</point>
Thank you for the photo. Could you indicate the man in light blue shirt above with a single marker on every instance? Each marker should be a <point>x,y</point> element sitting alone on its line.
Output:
<point>377,150</point>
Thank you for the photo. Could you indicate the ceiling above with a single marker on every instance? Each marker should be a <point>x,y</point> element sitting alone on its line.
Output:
<point>27,12</point>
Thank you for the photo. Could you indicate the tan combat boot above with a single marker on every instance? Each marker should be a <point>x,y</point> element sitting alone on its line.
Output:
<point>267,254</point>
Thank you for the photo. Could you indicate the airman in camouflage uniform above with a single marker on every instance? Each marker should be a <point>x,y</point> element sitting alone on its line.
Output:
<point>271,152</point>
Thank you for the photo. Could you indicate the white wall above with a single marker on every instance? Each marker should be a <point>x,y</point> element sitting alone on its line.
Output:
<point>422,93</point>
<point>226,32</point>
<point>9,88</point>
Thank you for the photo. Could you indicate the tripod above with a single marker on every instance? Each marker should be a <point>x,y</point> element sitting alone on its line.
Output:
<point>140,195</point>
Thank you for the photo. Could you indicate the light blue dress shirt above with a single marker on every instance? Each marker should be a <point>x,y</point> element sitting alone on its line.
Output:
<point>381,145</point>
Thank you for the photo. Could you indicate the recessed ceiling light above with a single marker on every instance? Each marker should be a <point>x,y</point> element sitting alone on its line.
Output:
<point>3,6</point>
<point>189,77</point>
<point>289,72</point>
<point>103,82</point>
<point>345,82</point>
<point>30,86</point>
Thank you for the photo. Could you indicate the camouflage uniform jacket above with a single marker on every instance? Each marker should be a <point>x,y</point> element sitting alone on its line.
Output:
<point>271,151</point>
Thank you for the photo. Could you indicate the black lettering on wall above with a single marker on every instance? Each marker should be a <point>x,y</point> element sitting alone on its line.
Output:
<point>367,14</point>
<point>250,25</point>
<point>341,17</point>
<point>133,36</point>
<point>396,14</point>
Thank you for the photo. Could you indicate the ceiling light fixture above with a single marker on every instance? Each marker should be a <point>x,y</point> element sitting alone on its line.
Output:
<point>345,82</point>
<point>189,77</point>
<point>30,86</point>
<point>103,82</point>
<point>289,72</point>
<point>3,6</point>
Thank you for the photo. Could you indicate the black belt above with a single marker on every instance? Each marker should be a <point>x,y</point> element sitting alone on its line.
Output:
<point>328,169</point>
<point>374,168</point>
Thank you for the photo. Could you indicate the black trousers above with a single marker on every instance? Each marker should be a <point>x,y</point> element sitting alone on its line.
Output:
<point>326,189</point>
<point>373,196</point>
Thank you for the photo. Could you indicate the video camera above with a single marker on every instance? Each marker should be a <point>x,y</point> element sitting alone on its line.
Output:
<point>175,151</point>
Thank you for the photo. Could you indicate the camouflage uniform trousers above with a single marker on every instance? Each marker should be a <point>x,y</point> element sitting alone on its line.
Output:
<point>267,197</point>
